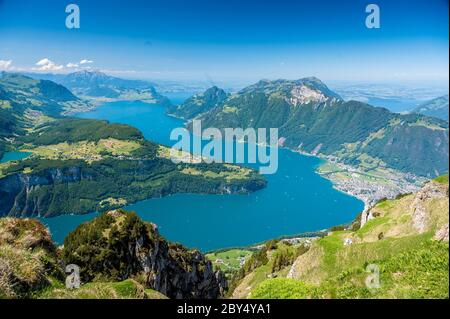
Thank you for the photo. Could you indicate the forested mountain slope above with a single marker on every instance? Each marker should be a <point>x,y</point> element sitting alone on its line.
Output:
<point>313,119</point>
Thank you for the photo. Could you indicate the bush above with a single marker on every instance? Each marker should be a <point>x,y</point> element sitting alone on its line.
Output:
<point>286,256</point>
<point>338,228</point>
<point>271,244</point>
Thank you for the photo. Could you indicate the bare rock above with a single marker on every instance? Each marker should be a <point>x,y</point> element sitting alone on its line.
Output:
<point>419,214</point>
<point>442,234</point>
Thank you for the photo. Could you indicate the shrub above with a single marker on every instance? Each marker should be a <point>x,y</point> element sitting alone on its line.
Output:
<point>287,256</point>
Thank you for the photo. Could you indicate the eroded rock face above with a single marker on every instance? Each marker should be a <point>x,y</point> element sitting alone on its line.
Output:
<point>419,211</point>
<point>15,190</point>
<point>366,215</point>
<point>177,272</point>
<point>118,245</point>
<point>442,234</point>
<point>430,191</point>
<point>303,95</point>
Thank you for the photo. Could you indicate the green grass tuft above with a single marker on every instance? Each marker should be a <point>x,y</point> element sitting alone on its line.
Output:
<point>443,179</point>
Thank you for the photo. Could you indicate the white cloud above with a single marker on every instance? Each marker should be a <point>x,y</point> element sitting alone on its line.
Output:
<point>5,65</point>
<point>43,62</point>
<point>47,65</point>
<point>84,61</point>
<point>72,65</point>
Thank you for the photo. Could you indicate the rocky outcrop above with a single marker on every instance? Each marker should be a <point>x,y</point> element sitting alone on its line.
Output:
<point>15,189</point>
<point>114,248</point>
<point>177,272</point>
<point>418,206</point>
<point>366,215</point>
<point>118,246</point>
<point>425,211</point>
<point>420,216</point>
<point>198,103</point>
<point>442,234</point>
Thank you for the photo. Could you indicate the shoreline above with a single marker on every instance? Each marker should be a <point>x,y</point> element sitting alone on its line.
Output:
<point>368,186</point>
<point>387,184</point>
<point>368,193</point>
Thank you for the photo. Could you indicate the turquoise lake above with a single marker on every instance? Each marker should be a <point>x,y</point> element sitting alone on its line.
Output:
<point>14,156</point>
<point>296,199</point>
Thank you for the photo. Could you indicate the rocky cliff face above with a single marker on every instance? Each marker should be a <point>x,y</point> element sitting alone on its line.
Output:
<point>16,190</point>
<point>421,217</point>
<point>115,249</point>
<point>118,245</point>
<point>178,273</point>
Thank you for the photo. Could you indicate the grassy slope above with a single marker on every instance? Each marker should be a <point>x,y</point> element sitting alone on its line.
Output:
<point>442,179</point>
<point>28,257</point>
<point>269,269</point>
<point>411,263</point>
<point>229,260</point>
<point>127,289</point>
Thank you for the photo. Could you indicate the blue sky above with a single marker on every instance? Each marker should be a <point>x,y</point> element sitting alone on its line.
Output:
<point>230,39</point>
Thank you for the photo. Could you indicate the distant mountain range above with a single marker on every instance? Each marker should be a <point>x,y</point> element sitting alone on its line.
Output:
<point>43,95</point>
<point>78,166</point>
<point>437,107</point>
<point>199,103</point>
<point>313,119</point>
<point>100,86</point>
<point>25,102</point>
<point>395,96</point>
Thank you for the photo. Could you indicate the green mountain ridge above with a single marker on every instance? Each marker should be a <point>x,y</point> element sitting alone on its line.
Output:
<point>313,119</point>
<point>199,103</point>
<point>39,95</point>
<point>119,256</point>
<point>437,107</point>
<point>98,86</point>
<point>26,102</point>
<point>405,240</point>
<point>79,166</point>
